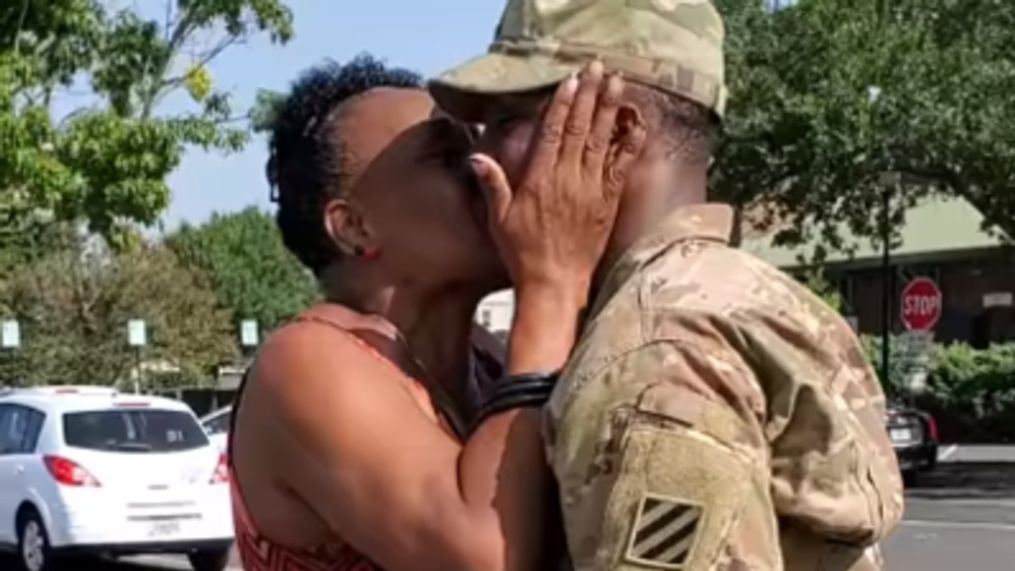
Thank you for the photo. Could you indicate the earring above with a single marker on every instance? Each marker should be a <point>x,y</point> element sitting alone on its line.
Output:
<point>369,254</point>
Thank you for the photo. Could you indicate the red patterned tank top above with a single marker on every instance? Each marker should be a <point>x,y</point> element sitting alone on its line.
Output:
<point>259,553</point>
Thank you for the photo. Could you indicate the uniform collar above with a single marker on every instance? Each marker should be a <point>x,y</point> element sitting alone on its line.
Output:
<point>698,222</point>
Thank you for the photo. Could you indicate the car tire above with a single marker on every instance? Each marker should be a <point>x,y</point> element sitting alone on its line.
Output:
<point>210,559</point>
<point>34,551</point>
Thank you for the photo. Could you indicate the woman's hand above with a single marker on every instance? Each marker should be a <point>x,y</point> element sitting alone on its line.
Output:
<point>552,228</point>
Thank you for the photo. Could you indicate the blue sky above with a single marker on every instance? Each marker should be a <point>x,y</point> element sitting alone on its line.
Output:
<point>427,36</point>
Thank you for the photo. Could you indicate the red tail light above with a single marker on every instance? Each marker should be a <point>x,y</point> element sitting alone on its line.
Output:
<point>221,474</point>
<point>932,428</point>
<point>69,473</point>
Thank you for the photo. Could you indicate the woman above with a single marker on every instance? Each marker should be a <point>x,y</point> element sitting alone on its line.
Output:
<point>349,450</point>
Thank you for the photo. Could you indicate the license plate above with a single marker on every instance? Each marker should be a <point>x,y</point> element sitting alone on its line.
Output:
<point>901,435</point>
<point>163,529</point>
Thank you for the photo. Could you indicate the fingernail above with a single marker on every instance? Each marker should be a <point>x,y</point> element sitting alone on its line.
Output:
<point>615,82</point>
<point>596,68</point>
<point>571,84</point>
<point>478,165</point>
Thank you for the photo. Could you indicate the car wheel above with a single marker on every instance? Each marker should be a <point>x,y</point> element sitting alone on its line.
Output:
<point>210,560</point>
<point>34,552</point>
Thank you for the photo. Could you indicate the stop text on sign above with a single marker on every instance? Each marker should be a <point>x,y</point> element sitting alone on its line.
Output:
<point>921,304</point>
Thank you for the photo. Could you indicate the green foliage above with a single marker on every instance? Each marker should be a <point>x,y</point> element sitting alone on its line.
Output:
<point>74,304</point>
<point>970,392</point>
<point>807,135</point>
<point>266,109</point>
<point>107,163</point>
<point>973,392</point>
<point>249,268</point>
<point>896,386</point>
<point>816,281</point>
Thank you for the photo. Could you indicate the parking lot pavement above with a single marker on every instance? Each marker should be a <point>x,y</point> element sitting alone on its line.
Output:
<point>961,516</point>
<point>944,546</point>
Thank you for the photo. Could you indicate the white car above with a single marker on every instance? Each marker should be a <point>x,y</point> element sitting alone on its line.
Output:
<point>89,470</point>
<point>216,425</point>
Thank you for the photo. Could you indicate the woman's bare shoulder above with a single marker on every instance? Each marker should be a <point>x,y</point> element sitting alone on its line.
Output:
<point>306,352</point>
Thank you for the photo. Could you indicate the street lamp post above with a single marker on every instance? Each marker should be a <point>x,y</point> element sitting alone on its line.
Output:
<point>887,281</point>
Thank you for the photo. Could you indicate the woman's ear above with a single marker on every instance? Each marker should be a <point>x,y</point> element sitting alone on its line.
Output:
<point>346,226</point>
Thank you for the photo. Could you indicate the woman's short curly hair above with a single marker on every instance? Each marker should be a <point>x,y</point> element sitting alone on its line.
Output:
<point>307,162</point>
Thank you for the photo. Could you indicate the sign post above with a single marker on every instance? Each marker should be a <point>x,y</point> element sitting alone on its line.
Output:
<point>137,337</point>
<point>922,302</point>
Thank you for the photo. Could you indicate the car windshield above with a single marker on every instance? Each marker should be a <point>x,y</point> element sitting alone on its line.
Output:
<point>133,431</point>
<point>219,423</point>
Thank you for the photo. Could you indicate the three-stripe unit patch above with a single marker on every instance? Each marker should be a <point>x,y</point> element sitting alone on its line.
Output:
<point>664,533</point>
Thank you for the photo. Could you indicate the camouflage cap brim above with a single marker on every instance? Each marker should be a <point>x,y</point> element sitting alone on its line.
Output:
<point>465,91</point>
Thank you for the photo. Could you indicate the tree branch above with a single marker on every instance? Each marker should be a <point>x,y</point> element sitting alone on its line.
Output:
<point>21,24</point>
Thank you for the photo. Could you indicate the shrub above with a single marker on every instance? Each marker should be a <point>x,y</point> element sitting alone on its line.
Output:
<point>971,392</point>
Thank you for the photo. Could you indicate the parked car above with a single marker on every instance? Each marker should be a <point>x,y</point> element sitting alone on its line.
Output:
<point>915,438</point>
<point>89,470</point>
<point>216,425</point>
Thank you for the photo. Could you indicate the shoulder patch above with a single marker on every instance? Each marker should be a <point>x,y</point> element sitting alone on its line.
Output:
<point>664,533</point>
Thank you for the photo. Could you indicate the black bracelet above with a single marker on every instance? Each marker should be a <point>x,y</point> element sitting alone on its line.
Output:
<point>530,390</point>
<point>504,389</point>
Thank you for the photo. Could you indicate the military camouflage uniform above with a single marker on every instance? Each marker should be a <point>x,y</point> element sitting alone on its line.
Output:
<point>715,415</point>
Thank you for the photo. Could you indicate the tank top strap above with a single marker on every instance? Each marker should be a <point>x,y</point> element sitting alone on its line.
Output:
<point>443,409</point>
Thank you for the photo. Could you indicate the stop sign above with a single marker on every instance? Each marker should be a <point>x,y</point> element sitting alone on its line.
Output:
<point>921,304</point>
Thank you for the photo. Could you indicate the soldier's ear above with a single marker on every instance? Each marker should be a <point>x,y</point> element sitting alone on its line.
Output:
<point>630,119</point>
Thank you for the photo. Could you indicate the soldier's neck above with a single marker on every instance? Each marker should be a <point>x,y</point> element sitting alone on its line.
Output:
<point>646,205</point>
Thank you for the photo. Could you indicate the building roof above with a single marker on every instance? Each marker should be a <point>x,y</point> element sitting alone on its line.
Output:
<point>937,225</point>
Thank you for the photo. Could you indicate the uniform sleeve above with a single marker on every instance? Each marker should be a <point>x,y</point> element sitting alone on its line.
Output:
<point>661,467</point>
<point>834,471</point>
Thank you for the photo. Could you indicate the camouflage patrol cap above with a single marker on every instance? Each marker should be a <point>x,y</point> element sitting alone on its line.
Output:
<point>673,45</point>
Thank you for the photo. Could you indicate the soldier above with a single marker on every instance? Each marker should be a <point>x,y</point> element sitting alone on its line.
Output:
<point>715,415</point>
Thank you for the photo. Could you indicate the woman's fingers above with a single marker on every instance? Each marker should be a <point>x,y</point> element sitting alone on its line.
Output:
<point>551,133</point>
<point>493,181</point>
<point>583,109</point>
<point>604,125</point>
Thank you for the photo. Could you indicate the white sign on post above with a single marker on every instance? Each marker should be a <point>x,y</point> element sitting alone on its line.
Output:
<point>916,344</point>
<point>10,334</point>
<point>248,333</point>
<point>137,334</point>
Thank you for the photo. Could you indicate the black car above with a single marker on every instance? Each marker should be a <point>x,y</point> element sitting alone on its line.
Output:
<point>915,438</point>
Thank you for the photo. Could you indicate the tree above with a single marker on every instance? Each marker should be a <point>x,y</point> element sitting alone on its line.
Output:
<point>249,268</point>
<point>107,163</point>
<point>74,305</point>
<point>837,105</point>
